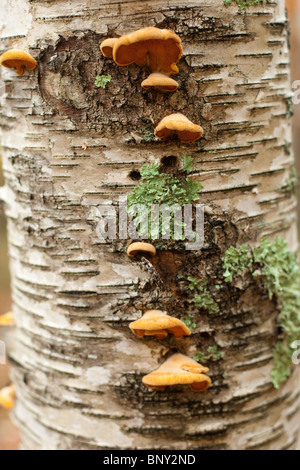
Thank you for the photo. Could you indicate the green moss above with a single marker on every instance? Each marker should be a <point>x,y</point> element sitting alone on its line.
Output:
<point>190,322</point>
<point>212,354</point>
<point>235,262</point>
<point>204,299</point>
<point>161,188</point>
<point>242,4</point>
<point>102,80</point>
<point>282,364</point>
<point>277,268</point>
<point>188,164</point>
<point>194,284</point>
<point>147,134</point>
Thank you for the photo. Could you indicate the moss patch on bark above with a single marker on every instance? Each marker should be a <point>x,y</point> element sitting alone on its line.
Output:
<point>277,269</point>
<point>243,3</point>
<point>159,188</point>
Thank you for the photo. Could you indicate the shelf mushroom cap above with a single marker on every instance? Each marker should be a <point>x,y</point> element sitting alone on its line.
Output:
<point>161,82</point>
<point>7,397</point>
<point>157,323</point>
<point>186,130</point>
<point>179,370</point>
<point>160,49</point>
<point>7,319</point>
<point>160,334</point>
<point>107,47</point>
<point>19,60</point>
<point>139,249</point>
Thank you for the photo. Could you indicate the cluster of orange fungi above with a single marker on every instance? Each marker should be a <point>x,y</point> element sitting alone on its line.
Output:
<point>159,50</point>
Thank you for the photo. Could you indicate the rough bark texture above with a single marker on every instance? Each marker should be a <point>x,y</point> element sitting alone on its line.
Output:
<point>76,366</point>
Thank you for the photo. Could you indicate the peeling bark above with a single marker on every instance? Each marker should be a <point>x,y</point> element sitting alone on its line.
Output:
<point>76,366</point>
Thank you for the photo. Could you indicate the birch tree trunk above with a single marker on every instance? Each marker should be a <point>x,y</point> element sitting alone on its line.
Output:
<point>69,147</point>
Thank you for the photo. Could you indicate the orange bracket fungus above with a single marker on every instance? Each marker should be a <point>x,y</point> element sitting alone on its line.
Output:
<point>157,323</point>
<point>160,82</point>
<point>159,49</point>
<point>18,60</point>
<point>7,319</point>
<point>107,47</point>
<point>178,123</point>
<point>139,249</point>
<point>179,369</point>
<point>7,397</point>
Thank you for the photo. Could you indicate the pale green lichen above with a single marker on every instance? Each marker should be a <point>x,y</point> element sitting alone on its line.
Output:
<point>235,262</point>
<point>188,164</point>
<point>190,322</point>
<point>277,268</point>
<point>147,134</point>
<point>194,284</point>
<point>242,4</point>
<point>204,299</point>
<point>159,188</point>
<point>102,80</point>
<point>212,354</point>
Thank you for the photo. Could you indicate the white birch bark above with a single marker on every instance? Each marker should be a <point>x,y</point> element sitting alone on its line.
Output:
<point>76,366</point>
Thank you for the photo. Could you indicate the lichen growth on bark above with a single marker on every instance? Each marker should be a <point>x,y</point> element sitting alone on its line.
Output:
<point>212,354</point>
<point>276,267</point>
<point>102,80</point>
<point>243,3</point>
<point>190,322</point>
<point>203,299</point>
<point>147,134</point>
<point>235,262</point>
<point>158,188</point>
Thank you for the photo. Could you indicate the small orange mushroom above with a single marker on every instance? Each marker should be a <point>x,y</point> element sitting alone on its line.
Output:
<point>7,319</point>
<point>179,369</point>
<point>161,82</point>
<point>7,397</point>
<point>181,125</point>
<point>159,49</point>
<point>18,60</point>
<point>107,47</point>
<point>157,323</point>
<point>141,249</point>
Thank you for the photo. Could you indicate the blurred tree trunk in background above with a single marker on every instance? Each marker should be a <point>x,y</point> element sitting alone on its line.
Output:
<point>68,147</point>
<point>293,7</point>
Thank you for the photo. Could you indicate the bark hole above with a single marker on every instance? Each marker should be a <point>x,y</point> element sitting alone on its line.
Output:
<point>135,175</point>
